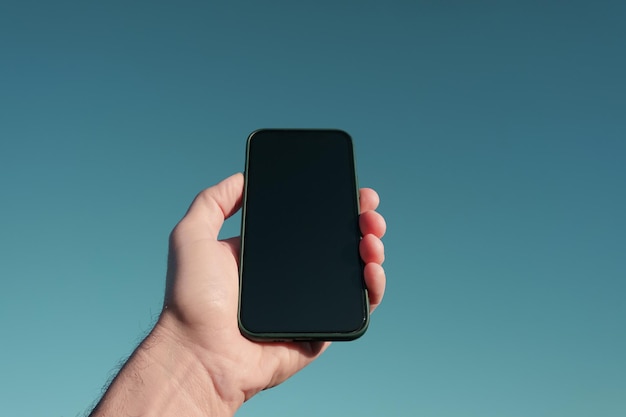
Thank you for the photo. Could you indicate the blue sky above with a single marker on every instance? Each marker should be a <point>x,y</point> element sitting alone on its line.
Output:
<point>495,133</point>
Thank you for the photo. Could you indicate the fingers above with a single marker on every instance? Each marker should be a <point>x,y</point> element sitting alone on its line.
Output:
<point>373,255</point>
<point>368,199</point>
<point>373,223</point>
<point>376,281</point>
<point>373,227</point>
<point>372,249</point>
<point>217,203</point>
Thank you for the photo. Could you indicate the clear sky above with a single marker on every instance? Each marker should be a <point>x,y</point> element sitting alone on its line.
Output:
<point>494,131</point>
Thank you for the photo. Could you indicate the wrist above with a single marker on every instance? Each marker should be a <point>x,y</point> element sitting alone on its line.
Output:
<point>214,370</point>
<point>163,377</point>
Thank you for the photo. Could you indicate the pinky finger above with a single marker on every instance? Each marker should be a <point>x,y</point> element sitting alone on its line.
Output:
<point>375,280</point>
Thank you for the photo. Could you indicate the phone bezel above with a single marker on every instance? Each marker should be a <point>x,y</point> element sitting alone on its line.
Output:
<point>304,336</point>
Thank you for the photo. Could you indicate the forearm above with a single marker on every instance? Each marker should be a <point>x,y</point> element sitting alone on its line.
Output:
<point>162,378</point>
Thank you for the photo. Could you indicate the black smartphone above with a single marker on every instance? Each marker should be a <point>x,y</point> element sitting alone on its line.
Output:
<point>301,274</point>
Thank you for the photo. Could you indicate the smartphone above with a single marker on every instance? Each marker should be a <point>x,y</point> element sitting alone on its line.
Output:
<point>301,274</point>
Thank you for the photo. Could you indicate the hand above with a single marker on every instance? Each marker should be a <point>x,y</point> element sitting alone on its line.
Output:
<point>199,317</point>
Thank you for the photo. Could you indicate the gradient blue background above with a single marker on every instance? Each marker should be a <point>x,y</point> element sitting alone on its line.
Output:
<point>495,133</point>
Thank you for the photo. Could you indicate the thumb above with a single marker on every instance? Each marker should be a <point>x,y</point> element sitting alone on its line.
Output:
<point>215,204</point>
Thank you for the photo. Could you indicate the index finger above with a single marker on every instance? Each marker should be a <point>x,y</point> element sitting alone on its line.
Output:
<point>369,199</point>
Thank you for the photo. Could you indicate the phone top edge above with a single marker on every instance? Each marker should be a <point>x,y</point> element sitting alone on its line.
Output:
<point>299,130</point>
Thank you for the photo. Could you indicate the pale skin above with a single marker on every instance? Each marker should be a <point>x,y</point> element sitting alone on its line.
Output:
<point>195,362</point>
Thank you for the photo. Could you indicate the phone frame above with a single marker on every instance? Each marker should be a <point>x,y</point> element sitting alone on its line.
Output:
<point>308,336</point>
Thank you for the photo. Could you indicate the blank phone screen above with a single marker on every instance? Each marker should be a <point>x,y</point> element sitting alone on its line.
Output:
<point>301,272</point>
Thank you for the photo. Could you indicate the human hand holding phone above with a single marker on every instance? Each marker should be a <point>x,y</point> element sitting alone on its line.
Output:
<point>195,361</point>
<point>203,291</point>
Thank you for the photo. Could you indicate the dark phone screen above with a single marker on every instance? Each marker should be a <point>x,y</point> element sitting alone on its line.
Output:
<point>301,271</point>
